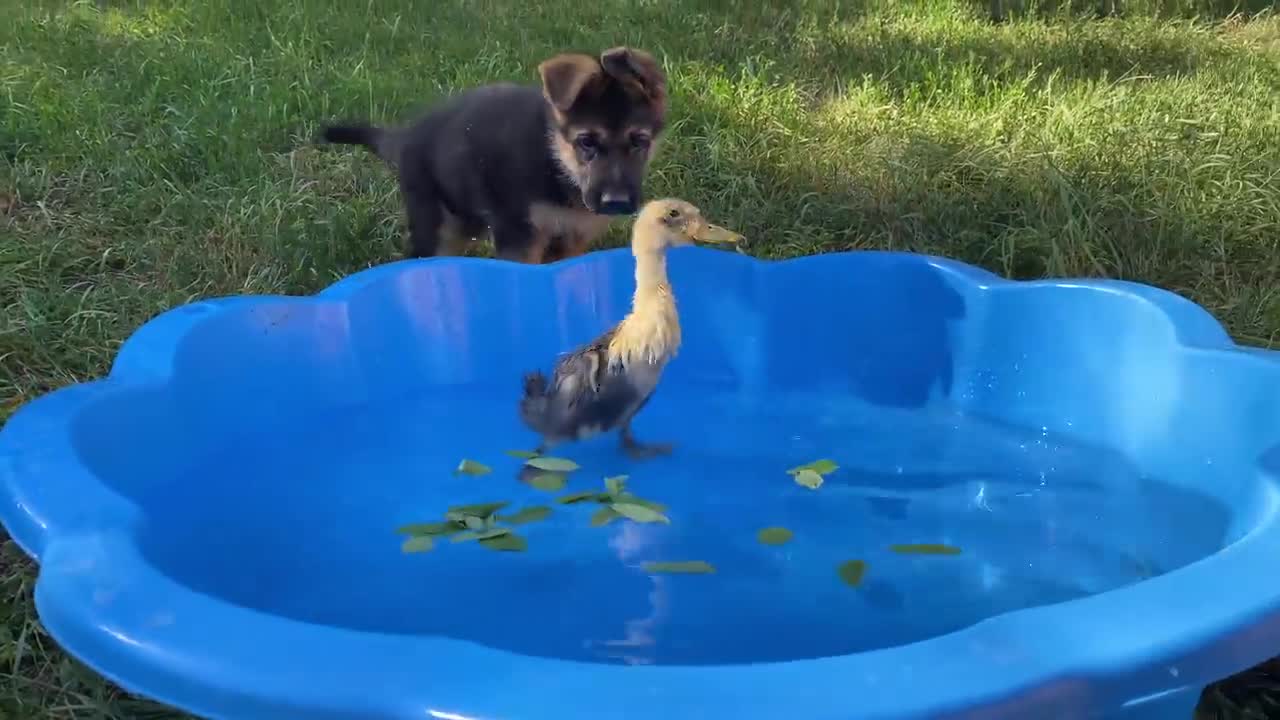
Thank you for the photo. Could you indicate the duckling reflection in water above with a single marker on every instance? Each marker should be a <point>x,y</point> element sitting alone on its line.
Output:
<point>601,386</point>
<point>638,644</point>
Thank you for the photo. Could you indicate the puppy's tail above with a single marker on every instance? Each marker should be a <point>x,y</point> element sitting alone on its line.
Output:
<point>379,141</point>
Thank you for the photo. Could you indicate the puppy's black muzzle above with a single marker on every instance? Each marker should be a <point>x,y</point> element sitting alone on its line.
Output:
<point>615,203</point>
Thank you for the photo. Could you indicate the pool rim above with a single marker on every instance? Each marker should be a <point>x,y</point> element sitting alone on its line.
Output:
<point>1098,652</point>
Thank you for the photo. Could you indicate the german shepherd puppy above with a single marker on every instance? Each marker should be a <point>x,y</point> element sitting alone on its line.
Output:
<point>544,170</point>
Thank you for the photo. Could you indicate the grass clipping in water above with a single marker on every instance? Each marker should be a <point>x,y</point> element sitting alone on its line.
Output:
<point>812,475</point>
<point>483,524</point>
<point>925,549</point>
<point>775,536</point>
<point>551,464</point>
<point>464,523</point>
<point>685,567</point>
<point>530,514</point>
<point>554,473</point>
<point>472,468</point>
<point>618,503</point>
<point>852,572</point>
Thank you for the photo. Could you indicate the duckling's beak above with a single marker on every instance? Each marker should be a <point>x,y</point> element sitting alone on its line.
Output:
<point>714,234</point>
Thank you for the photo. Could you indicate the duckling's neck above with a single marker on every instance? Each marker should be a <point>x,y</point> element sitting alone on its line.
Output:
<point>651,276</point>
<point>651,331</point>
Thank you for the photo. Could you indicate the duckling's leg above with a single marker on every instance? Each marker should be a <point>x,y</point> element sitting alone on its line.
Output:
<point>638,450</point>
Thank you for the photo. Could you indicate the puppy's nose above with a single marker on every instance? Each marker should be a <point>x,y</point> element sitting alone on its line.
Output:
<point>617,203</point>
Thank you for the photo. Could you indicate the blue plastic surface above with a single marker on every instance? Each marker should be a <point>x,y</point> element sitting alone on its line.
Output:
<point>215,521</point>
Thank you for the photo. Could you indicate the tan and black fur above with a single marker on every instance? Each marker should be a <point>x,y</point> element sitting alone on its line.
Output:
<point>543,170</point>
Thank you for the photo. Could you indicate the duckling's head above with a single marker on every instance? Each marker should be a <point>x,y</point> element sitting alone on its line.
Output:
<point>674,223</point>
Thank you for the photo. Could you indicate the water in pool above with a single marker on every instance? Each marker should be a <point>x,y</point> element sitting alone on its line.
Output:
<point>311,535</point>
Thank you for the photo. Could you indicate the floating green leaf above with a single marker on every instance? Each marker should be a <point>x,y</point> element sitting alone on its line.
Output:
<point>821,467</point>
<point>552,464</point>
<point>474,523</point>
<point>925,549</point>
<point>851,572</point>
<point>630,499</point>
<point>604,516</point>
<point>549,481</point>
<point>508,543</point>
<point>775,536</point>
<point>418,544</point>
<point>639,513</point>
<point>527,515</point>
<point>428,529</point>
<point>615,484</point>
<point>461,512</point>
<point>824,466</point>
<point>473,468</point>
<point>578,497</point>
<point>692,567</point>
<point>522,454</point>
<point>480,534</point>
<point>809,479</point>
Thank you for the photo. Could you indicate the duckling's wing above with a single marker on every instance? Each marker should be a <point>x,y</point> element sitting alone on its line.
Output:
<point>578,375</point>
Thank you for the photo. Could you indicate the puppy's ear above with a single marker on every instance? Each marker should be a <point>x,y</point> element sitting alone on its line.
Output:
<point>638,71</point>
<point>566,76</point>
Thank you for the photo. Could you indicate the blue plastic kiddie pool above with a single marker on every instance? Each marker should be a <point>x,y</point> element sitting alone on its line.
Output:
<point>216,521</point>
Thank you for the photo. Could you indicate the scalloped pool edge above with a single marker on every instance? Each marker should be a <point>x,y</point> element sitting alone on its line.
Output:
<point>1043,661</point>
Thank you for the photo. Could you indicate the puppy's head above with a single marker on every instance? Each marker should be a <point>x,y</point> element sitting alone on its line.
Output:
<point>606,114</point>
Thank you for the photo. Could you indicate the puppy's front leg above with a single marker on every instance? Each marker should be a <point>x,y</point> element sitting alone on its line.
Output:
<point>424,224</point>
<point>556,249</point>
<point>585,231</point>
<point>424,213</point>
<point>519,241</point>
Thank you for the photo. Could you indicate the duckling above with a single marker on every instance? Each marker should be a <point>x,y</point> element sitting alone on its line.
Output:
<point>602,385</point>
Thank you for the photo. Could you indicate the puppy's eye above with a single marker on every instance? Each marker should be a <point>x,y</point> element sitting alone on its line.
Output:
<point>588,143</point>
<point>640,142</point>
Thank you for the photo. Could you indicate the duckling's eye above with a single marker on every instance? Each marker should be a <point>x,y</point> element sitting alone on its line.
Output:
<point>673,213</point>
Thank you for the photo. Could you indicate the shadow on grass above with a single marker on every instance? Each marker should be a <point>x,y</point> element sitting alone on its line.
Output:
<point>935,195</point>
<point>916,62</point>
<point>914,55</point>
<point>1158,9</point>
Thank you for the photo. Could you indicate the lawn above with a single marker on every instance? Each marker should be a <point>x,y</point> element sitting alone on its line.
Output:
<point>153,153</point>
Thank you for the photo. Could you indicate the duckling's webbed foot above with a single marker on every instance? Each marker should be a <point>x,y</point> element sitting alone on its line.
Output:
<point>642,451</point>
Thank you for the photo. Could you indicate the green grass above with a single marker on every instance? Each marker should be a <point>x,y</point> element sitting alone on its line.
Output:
<point>153,153</point>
